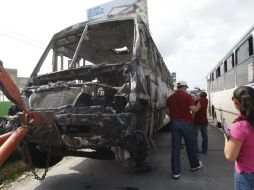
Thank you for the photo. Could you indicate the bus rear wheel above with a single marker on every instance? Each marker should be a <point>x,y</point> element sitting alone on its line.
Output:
<point>134,152</point>
<point>216,123</point>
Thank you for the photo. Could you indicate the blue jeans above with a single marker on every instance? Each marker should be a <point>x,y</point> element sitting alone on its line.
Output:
<point>244,181</point>
<point>203,130</point>
<point>186,130</point>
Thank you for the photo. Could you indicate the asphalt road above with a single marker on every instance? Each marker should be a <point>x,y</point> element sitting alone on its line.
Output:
<point>87,174</point>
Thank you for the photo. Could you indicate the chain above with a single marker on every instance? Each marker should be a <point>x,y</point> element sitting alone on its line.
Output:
<point>36,176</point>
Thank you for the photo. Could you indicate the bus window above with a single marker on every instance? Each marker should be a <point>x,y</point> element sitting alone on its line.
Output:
<point>214,84</point>
<point>230,62</point>
<point>242,74</point>
<point>230,79</point>
<point>225,66</point>
<point>212,77</point>
<point>242,70</point>
<point>233,60</point>
<point>221,69</point>
<point>250,41</point>
<point>244,51</point>
<point>218,72</point>
<point>220,83</point>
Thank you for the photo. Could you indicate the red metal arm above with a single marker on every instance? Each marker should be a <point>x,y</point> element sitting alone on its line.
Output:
<point>9,141</point>
<point>10,90</point>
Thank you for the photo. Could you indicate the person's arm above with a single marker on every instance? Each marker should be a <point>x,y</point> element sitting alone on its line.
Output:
<point>193,114</point>
<point>195,108</point>
<point>232,149</point>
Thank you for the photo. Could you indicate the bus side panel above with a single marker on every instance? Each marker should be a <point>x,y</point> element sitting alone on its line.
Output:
<point>223,106</point>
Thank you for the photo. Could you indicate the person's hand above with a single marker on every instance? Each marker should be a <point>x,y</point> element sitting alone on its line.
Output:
<point>198,105</point>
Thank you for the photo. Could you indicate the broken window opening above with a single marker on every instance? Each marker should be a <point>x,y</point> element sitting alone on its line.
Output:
<point>71,50</point>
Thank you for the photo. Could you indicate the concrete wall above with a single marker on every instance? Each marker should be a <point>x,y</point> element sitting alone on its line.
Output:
<point>19,81</point>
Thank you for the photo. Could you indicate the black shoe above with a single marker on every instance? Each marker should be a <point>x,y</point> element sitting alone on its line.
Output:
<point>198,167</point>
<point>203,151</point>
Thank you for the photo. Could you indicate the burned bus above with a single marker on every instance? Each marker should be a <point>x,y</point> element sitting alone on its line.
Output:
<point>107,84</point>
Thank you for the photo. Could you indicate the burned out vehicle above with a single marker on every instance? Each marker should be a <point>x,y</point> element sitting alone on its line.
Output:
<point>107,84</point>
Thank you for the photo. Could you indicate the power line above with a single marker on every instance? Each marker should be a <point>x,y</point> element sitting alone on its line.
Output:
<point>22,38</point>
<point>18,39</point>
<point>21,35</point>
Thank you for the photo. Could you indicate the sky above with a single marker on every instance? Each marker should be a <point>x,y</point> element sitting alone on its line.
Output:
<point>191,35</point>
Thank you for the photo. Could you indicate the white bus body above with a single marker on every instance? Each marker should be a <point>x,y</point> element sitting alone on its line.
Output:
<point>234,70</point>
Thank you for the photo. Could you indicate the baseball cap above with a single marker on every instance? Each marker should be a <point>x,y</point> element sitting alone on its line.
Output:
<point>181,83</point>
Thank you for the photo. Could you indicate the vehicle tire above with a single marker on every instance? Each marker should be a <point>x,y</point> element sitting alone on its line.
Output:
<point>134,153</point>
<point>37,157</point>
<point>213,113</point>
<point>216,123</point>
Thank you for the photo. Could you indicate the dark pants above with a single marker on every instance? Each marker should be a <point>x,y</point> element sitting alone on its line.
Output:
<point>203,130</point>
<point>186,130</point>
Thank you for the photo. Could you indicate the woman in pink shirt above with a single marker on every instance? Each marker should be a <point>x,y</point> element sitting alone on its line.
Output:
<point>240,145</point>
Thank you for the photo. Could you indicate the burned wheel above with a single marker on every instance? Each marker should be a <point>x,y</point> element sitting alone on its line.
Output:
<point>31,153</point>
<point>133,152</point>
